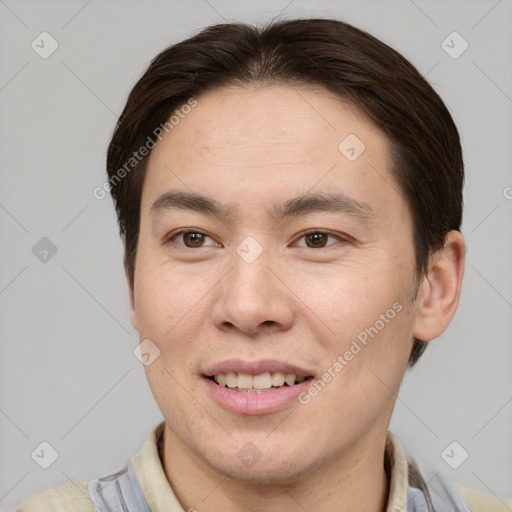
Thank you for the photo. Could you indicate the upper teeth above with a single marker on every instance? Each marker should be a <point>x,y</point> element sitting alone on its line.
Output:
<point>262,381</point>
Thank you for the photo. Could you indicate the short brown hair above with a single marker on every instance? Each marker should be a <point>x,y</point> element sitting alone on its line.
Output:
<point>382,84</point>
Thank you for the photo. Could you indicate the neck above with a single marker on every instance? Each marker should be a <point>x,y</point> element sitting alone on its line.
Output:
<point>355,480</point>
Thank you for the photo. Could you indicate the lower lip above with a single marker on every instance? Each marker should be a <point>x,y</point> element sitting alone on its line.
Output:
<point>256,403</point>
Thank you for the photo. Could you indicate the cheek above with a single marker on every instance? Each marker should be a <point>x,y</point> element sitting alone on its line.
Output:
<point>173,308</point>
<point>164,293</point>
<point>365,364</point>
<point>366,319</point>
<point>346,298</point>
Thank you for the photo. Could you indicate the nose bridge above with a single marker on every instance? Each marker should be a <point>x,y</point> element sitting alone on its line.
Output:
<point>251,296</point>
<point>250,278</point>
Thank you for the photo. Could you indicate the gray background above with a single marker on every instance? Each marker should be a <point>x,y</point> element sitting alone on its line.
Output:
<point>68,373</point>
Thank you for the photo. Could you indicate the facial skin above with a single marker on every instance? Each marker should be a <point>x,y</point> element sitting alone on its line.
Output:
<point>250,149</point>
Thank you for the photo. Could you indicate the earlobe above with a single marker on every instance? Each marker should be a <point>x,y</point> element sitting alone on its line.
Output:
<point>440,290</point>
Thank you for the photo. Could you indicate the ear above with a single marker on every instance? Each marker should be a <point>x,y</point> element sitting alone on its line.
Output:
<point>133,313</point>
<point>439,292</point>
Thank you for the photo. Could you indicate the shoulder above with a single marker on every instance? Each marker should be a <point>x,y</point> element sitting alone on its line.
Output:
<point>71,496</point>
<point>478,501</point>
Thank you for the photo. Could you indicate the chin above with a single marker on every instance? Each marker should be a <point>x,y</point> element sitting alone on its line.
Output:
<point>265,471</point>
<point>266,477</point>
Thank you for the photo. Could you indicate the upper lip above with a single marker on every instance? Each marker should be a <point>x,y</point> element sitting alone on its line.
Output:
<point>256,367</point>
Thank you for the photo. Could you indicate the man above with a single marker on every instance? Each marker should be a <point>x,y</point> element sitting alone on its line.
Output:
<point>290,200</point>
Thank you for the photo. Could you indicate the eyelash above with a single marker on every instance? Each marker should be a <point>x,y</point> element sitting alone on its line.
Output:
<point>340,238</point>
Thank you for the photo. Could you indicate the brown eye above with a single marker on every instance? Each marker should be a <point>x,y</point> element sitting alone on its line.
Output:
<point>191,239</point>
<point>316,240</point>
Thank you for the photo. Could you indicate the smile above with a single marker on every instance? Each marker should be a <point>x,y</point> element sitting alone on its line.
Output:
<point>252,401</point>
<point>267,381</point>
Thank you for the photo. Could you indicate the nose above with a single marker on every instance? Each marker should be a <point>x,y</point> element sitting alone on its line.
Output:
<point>253,298</point>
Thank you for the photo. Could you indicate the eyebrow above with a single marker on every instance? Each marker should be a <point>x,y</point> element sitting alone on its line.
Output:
<point>297,206</point>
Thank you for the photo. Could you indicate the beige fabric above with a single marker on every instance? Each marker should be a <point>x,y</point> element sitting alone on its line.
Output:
<point>61,498</point>
<point>399,480</point>
<point>481,501</point>
<point>73,496</point>
<point>151,476</point>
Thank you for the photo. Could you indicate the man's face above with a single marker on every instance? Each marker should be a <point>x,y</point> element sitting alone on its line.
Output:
<point>270,284</point>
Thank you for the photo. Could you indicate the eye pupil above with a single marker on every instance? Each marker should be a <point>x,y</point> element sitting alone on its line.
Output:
<point>317,239</point>
<point>194,239</point>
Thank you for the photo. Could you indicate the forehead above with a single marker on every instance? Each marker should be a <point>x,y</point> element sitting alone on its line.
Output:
<point>284,118</point>
<point>271,141</point>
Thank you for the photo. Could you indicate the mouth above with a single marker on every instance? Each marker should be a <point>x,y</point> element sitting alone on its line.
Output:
<point>256,387</point>
<point>261,383</point>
